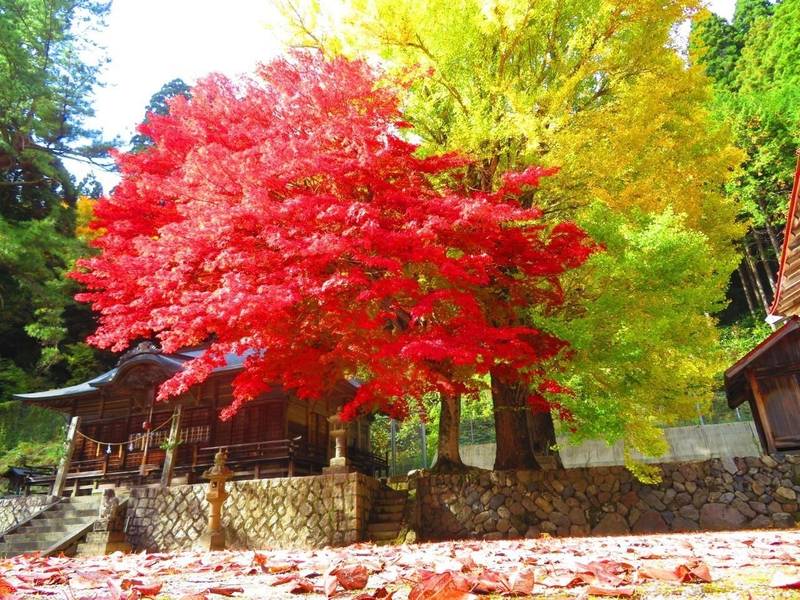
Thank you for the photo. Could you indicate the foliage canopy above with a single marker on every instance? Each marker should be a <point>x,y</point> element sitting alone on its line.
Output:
<point>282,217</point>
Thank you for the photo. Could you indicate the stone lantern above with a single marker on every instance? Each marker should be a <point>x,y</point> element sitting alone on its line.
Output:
<point>339,462</point>
<point>214,538</point>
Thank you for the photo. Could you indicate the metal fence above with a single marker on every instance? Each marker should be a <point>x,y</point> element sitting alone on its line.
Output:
<point>410,446</point>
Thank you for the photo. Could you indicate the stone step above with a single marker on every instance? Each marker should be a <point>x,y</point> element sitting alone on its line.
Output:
<point>390,495</point>
<point>67,507</point>
<point>98,537</point>
<point>40,537</point>
<point>386,526</point>
<point>389,499</point>
<point>18,548</point>
<point>100,549</point>
<point>386,517</point>
<point>49,523</point>
<point>388,503</point>
<point>93,498</point>
<point>384,536</point>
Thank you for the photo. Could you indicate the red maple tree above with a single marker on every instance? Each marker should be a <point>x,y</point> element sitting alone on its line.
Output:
<point>284,216</point>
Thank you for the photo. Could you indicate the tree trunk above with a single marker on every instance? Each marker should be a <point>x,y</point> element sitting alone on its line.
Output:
<point>759,287</point>
<point>747,293</point>
<point>514,450</point>
<point>542,433</point>
<point>773,238</point>
<point>448,458</point>
<point>762,254</point>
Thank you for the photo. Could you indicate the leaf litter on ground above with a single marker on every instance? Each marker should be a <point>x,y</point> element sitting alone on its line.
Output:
<point>458,570</point>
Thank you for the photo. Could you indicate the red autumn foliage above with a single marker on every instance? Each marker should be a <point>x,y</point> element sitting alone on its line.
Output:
<point>284,217</point>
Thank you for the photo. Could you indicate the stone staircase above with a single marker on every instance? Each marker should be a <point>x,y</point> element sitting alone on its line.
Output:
<point>387,517</point>
<point>56,529</point>
<point>99,543</point>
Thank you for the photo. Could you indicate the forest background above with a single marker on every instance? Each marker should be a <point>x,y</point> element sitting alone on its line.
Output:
<point>679,164</point>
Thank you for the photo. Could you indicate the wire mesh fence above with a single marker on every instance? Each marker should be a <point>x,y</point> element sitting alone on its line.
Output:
<point>412,445</point>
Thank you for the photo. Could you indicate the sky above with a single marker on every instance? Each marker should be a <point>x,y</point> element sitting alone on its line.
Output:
<point>151,42</point>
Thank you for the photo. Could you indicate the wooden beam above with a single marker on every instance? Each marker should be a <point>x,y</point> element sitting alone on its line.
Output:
<point>66,459</point>
<point>761,409</point>
<point>172,449</point>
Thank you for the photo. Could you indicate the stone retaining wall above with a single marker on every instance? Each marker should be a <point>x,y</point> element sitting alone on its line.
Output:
<point>15,510</point>
<point>287,512</point>
<point>715,494</point>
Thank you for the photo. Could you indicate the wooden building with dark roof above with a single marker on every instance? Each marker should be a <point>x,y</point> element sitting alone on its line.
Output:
<point>121,436</point>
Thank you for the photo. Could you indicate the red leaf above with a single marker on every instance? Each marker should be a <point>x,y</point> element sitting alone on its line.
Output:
<point>284,579</point>
<point>279,567</point>
<point>521,582</point>
<point>6,589</point>
<point>442,586</point>
<point>225,591</point>
<point>302,586</point>
<point>147,590</point>
<point>693,572</point>
<point>490,582</point>
<point>197,596</point>
<point>352,578</point>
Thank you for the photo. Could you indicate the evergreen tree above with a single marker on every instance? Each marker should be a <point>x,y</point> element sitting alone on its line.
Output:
<point>45,97</point>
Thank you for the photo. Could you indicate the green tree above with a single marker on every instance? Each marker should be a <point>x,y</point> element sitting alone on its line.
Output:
<point>755,67</point>
<point>158,105</point>
<point>45,97</point>
<point>596,88</point>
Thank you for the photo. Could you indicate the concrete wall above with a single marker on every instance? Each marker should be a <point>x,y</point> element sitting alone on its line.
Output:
<point>715,494</point>
<point>15,510</point>
<point>700,442</point>
<point>286,512</point>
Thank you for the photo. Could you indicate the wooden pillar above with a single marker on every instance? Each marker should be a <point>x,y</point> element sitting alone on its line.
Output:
<point>66,460</point>
<point>172,449</point>
<point>761,409</point>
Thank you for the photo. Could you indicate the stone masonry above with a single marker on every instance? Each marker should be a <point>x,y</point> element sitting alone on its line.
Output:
<point>287,512</point>
<point>14,511</point>
<point>715,494</point>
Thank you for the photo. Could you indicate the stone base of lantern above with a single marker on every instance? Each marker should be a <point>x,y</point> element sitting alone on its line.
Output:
<point>338,464</point>
<point>214,540</point>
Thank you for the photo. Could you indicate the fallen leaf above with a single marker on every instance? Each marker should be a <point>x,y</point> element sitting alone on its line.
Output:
<point>490,582</point>
<point>302,586</point>
<point>329,584</point>
<point>279,567</point>
<point>520,583</point>
<point>693,573</point>
<point>194,597</point>
<point>660,574</point>
<point>352,578</point>
<point>225,591</point>
<point>6,589</point>
<point>147,590</point>
<point>565,580</point>
<point>442,586</point>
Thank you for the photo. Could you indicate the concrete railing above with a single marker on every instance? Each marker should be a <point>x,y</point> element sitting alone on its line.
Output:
<point>699,442</point>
